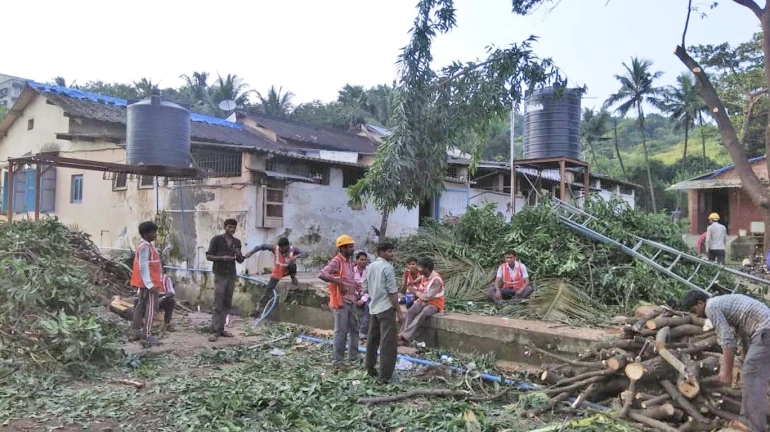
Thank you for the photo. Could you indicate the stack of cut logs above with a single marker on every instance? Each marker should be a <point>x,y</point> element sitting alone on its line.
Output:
<point>662,373</point>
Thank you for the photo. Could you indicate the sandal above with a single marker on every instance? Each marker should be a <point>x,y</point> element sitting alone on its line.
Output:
<point>738,425</point>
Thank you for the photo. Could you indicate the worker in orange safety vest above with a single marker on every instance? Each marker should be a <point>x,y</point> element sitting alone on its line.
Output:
<point>511,281</point>
<point>284,264</point>
<point>340,274</point>
<point>147,279</point>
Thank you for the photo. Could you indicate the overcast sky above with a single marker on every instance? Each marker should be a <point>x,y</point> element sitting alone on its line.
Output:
<point>314,47</point>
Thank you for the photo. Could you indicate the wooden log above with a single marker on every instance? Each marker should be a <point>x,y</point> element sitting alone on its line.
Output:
<point>626,344</point>
<point>711,407</point>
<point>643,320</point>
<point>645,310</point>
<point>550,377</point>
<point>635,371</point>
<point>559,368</point>
<point>660,322</point>
<point>661,338</point>
<point>656,424</point>
<point>657,412</point>
<point>573,387</point>
<point>619,362</point>
<point>696,426</point>
<point>682,401</point>
<point>629,400</point>
<point>636,401</point>
<point>688,374</point>
<point>576,378</point>
<point>584,395</point>
<point>700,346</point>
<point>685,330</point>
<point>655,400</point>
<point>592,365</point>
<point>708,366</point>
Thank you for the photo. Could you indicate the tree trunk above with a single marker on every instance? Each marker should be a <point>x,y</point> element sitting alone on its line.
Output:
<point>703,141</point>
<point>617,150</point>
<point>686,137</point>
<point>647,159</point>
<point>383,225</point>
<point>759,194</point>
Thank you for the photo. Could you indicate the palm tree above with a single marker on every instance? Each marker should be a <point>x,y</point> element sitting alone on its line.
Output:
<point>684,106</point>
<point>636,90</point>
<point>145,87</point>
<point>276,102</point>
<point>595,125</point>
<point>231,88</point>
<point>380,102</point>
<point>352,95</point>
<point>196,88</point>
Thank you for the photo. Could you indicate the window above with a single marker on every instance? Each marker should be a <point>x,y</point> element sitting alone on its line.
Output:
<point>625,190</point>
<point>452,172</point>
<point>219,164</point>
<point>146,182</point>
<point>76,194</point>
<point>120,182</point>
<point>30,124</point>
<point>273,204</point>
<point>351,176</point>
<point>24,192</point>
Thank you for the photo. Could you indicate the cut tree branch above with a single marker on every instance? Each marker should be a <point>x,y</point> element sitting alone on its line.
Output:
<point>687,22</point>
<point>752,5</point>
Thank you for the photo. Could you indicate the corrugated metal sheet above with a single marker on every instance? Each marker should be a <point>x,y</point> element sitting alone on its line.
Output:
<point>706,184</point>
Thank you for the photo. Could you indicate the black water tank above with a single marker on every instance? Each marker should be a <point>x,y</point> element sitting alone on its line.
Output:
<point>552,124</point>
<point>158,133</point>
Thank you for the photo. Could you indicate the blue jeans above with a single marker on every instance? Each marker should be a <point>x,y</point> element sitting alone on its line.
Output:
<point>510,293</point>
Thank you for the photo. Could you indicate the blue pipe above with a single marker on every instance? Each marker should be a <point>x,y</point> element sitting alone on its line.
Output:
<point>488,377</point>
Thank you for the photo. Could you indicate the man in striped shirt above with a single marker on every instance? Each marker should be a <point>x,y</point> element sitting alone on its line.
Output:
<point>751,320</point>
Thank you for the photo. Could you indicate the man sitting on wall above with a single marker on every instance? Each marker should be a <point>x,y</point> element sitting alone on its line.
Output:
<point>430,301</point>
<point>284,264</point>
<point>511,281</point>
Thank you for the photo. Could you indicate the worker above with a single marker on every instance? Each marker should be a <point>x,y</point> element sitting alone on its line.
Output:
<point>385,312</point>
<point>146,279</point>
<point>342,299</point>
<point>751,320</point>
<point>677,214</point>
<point>716,235</point>
<point>224,251</point>
<point>362,298</point>
<point>284,264</point>
<point>430,301</point>
<point>700,244</point>
<point>411,281</point>
<point>511,280</point>
<point>167,302</point>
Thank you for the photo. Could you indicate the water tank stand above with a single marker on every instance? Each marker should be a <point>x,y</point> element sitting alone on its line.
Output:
<point>560,163</point>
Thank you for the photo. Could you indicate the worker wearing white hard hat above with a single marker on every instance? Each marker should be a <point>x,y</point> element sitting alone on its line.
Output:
<point>716,235</point>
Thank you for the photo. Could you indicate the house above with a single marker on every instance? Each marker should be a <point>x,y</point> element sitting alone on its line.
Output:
<point>720,191</point>
<point>10,89</point>
<point>276,176</point>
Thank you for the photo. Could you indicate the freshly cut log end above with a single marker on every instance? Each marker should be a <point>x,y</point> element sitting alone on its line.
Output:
<point>618,362</point>
<point>688,388</point>
<point>635,371</point>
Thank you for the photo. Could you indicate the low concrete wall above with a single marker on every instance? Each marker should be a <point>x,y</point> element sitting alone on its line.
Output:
<point>307,304</point>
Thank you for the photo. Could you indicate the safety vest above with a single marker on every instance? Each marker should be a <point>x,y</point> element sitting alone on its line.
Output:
<point>516,281</point>
<point>279,264</point>
<point>410,279</point>
<point>154,264</point>
<point>335,294</point>
<point>438,300</point>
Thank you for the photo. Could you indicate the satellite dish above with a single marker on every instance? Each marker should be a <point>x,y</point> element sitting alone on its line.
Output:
<point>227,105</point>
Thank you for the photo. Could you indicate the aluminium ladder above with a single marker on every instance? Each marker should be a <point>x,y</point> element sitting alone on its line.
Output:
<point>579,220</point>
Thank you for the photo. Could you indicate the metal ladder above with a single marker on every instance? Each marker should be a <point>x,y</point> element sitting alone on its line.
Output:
<point>579,220</point>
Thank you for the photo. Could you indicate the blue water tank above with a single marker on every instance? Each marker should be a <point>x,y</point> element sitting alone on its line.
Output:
<point>158,134</point>
<point>552,123</point>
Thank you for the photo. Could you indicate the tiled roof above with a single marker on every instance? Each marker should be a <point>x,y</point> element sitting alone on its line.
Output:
<point>317,136</point>
<point>113,110</point>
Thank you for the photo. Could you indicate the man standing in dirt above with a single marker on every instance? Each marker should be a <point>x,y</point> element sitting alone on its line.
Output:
<point>342,299</point>
<point>751,319</point>
<point>224,251</point>
<point>146,278</point>
<point>284,264</point>
<point>384,310</point>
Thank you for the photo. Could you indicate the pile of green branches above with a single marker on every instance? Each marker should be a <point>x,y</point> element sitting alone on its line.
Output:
<point>46,302</point>
<point>468,251</point>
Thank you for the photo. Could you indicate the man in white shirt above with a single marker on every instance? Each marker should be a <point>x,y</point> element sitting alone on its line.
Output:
<point>716,234</point>
<point>511,281</point>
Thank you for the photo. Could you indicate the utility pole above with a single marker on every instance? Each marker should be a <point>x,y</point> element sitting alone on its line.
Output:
<point>513,169</point>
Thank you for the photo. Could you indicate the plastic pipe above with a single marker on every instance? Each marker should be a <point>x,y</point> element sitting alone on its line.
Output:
<point>488,377</point>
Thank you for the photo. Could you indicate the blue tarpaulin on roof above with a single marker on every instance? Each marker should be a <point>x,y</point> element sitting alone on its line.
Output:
<point>109,100</point>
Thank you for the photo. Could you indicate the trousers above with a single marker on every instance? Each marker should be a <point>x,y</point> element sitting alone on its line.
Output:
<point>416,316</point>
<point>382,335</point>
<point>345,324</point>
<point>755,375</point>
<point>224,286</point>
<point>510,293</point>
<point>144,310</point>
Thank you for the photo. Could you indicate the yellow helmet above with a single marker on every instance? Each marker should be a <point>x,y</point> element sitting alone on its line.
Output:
<point>714,216</point>
<point>344,240</point>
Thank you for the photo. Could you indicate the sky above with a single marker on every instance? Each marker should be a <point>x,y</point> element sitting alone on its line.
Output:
<point>312,48</point>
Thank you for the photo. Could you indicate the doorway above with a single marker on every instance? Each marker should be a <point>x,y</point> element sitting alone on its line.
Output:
<point>710,201</point>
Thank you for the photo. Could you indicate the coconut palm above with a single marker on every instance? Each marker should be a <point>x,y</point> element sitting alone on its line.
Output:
<point>231,88</point>
<point>145,87</point>
<point>684,107</point>
<point>637,89</point>
<point>595,126</point>
<point>196,88</point>
<point>276,102</point>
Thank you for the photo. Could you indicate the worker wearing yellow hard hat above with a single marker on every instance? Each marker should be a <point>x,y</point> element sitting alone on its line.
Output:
<point>340,274</point>
<point>716,235</point>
